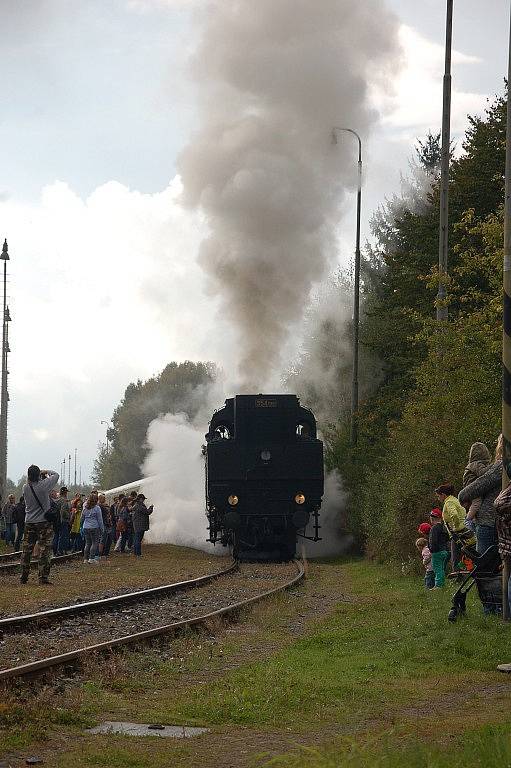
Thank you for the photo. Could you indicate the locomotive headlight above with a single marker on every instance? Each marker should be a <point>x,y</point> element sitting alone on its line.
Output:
<point>300,498</point>
<point>265,455</point>
<point>233,500</point>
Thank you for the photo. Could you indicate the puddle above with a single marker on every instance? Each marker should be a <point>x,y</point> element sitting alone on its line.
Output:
<point>140,729</point>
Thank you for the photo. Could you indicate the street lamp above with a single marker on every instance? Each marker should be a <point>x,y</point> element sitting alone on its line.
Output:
<point>442,311</point>
<point>107,424</point>
<point>356,297</point>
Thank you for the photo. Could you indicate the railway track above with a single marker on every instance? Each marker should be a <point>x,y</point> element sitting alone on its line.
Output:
<point>11,567</point>
<point>189,603</point>
<point>7,556</point>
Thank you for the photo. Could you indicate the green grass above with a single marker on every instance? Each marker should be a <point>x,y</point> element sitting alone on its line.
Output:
<point>385,680</point>
<point>488,747</point>
<point>391,647</point>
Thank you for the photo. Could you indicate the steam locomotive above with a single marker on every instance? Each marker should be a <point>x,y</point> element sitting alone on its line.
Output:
<point>264,476</point>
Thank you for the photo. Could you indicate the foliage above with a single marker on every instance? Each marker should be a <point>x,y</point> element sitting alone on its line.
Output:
<point>439,387</point>
<point>179,388</point>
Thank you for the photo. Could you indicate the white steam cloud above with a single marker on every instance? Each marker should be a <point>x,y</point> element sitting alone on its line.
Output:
<point>273,78</point>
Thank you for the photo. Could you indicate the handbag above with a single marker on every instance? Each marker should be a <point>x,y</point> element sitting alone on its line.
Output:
<point>52,515</point>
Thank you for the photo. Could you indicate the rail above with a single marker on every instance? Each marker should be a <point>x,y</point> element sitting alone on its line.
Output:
<point>138,637</point>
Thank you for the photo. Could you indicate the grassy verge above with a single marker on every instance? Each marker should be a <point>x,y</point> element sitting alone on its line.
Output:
<point>359,666</point>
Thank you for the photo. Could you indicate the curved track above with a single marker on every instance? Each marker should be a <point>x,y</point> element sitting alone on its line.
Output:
<point>14,623</point>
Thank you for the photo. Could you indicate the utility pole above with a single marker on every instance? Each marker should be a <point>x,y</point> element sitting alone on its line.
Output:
<point>506,340</point>
<point>75,469</point>
<point>4,395</point>
<point>356,289</point>
<point>442,311</point>
<point>80,477</point>
<point>69,471</point>
<point>64,472</point>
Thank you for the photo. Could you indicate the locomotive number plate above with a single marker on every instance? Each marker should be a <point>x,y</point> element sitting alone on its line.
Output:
<point>263,402</point>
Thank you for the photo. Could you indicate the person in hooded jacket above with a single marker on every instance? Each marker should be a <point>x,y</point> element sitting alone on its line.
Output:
<point>487,487</point>
<point>140,517</point>
<point>19,519</point>
<point>479,459</point>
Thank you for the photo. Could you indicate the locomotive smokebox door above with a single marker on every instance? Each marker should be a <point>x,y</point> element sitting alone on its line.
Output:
<point>264,476</point>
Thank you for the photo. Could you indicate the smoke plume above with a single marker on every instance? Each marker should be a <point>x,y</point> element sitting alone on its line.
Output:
<point>273,78</point>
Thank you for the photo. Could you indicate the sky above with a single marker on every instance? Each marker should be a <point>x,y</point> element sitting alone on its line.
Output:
<point>103,284</point>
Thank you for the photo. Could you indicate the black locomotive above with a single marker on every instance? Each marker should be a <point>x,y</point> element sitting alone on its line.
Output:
<point>264,476</point>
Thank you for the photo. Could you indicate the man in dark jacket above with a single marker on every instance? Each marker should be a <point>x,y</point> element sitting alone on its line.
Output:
<point>438,546</point>
<point>10,525</point>
<point>140,516</point>
<point>19,519</point>
<point>108,530</point>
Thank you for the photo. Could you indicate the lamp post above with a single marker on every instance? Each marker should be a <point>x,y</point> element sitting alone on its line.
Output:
<point>107,424</point>
<point>442,311</point>
<point>4,392</point>
<point>356,296</point>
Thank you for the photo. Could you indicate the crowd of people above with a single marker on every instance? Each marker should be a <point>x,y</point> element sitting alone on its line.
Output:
<point>45,519</point>
<point>478,517</point>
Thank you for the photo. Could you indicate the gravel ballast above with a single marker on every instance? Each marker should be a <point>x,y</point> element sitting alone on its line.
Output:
<point>88,629</point>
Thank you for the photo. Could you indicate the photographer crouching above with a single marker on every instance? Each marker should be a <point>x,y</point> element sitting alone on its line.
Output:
<point>41,513</point>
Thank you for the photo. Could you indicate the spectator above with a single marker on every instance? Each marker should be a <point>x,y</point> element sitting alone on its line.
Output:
<point>438,547</point>
<point>487,487</point>
<point>140,516</point>
<point>108,530</point>
<point>62,543</point>
<point>75,521</point>
<point>124,523</point>
<point>2,524</point>
<point>10,524</point>
<point>429,578</point>
<point>454,516</point>
<point>92,523</point>
<point>19,518</point>
<point>479,459</point>
<point>38,521</point>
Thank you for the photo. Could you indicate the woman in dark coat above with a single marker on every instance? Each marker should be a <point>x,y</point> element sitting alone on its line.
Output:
<point>140,517</point>
<point>487,488</point>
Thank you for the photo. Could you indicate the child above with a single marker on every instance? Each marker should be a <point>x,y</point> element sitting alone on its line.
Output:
<point>479,460</point>
<point>454,517</point>
<point>424,529</point>
<point>438,547</point>
<point>429,578</point>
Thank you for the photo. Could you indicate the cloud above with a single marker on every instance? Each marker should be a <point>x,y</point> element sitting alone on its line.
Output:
<point>102,291</point>
<point>41,435</point>
<point>416,104</point>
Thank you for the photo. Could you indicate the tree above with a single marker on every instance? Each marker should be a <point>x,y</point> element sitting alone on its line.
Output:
<point>179,388</point>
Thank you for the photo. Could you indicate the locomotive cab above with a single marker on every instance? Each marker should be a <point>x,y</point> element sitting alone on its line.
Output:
<point>264,476</point>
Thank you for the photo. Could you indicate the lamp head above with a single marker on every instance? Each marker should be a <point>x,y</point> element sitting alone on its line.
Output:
<point>5,252</point>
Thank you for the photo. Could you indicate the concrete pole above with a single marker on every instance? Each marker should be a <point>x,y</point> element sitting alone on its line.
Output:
<point>506,343</point>
<point>3,391</point>
<point>442,312</point>
<point>356,291</point>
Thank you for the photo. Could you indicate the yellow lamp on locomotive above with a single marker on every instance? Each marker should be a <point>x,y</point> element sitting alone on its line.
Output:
<point>300,498</point>
<point>233,500</point>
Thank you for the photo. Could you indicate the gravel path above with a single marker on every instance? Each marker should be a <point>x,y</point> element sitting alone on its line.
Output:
<point>88,629</point>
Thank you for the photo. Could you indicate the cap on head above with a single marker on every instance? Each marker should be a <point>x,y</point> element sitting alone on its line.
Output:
<point>63,489</point>
<point>424,529</point>
<point>436,513</point>
<point>141,497</point>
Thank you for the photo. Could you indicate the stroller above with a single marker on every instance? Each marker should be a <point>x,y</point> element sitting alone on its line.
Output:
<point>487,578</point>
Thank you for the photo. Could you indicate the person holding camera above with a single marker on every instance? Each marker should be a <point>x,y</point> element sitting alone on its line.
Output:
<point>40,514</point>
